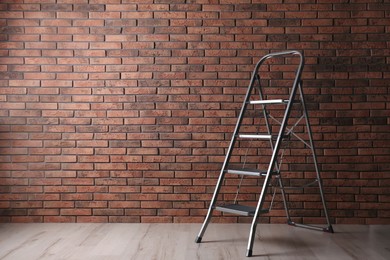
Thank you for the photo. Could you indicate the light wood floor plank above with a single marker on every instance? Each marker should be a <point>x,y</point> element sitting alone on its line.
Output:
<point>176,241</point>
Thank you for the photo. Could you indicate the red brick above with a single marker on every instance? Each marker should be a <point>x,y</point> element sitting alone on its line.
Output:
<point>59,204</point>
<point>76,212</point>
<point>155,204</point>
<point>147,106</point>
<point>154,219</point>
<point>59,219</point>
<point>44,212</point>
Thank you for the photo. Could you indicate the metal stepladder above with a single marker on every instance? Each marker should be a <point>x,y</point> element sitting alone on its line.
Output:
<point>285,132</point>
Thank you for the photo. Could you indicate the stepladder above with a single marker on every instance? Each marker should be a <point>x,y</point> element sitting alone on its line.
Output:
<point>272,126</point>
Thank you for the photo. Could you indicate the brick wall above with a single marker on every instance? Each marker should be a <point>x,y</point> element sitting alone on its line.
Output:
<point>122,110</point>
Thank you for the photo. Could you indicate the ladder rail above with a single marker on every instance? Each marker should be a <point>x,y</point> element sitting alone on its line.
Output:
<point>227,158</point>
<point>266,119</point>
<point>277,144</point>
<point>319,179</point>
<point>283,53</point>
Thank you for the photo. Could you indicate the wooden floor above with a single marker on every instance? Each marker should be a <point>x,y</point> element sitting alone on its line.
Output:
<point>176,241</point>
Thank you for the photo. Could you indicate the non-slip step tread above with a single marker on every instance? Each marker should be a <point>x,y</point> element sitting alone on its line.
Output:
<point>270,101</point>
<point>238,209</point>
<point>268,137</point>
<point>263,137</point>
<point>247,171</point>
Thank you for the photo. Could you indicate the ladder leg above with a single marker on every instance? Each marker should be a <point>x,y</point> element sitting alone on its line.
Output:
<point>265,114</point>
<point>284,199</point>
<point>211,207</point>
<point>251,240</point>
<point>319,180</point>
<point>226,161</point>
<point>204,226</point>
<point>275,148</point>
<point>252,233</point>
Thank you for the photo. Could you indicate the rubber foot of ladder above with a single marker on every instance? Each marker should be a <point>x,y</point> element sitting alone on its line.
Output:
<point>291,223</point>
<point>249,252</point>
<point>198,239</point>
<point>329,229</point>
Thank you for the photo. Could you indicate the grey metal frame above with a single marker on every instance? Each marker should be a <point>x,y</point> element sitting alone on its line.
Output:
<point>275,148</point>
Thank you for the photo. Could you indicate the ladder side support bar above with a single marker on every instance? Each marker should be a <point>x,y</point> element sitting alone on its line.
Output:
<point>275,152</point>
<point>314,157</point>
<point>227,158</point>
<point>266,119</point>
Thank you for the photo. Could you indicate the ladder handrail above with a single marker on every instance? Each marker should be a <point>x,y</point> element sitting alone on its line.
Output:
<point>283,53</point>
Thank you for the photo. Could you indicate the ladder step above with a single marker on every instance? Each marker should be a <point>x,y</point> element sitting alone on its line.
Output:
<point>240,209</point>
<point>267,102</point>
<point>249,172</point>
<point>268,137</point>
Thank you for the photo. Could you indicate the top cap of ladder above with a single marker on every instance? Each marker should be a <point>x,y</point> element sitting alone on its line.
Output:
<point>283,53</point>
